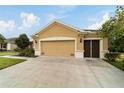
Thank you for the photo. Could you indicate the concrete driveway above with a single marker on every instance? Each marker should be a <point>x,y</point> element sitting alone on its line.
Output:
<point>62,72</point>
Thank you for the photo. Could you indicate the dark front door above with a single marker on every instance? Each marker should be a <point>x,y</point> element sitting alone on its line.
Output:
<point>86,48</point>
<point>91,48</point>
<point>95,48</point>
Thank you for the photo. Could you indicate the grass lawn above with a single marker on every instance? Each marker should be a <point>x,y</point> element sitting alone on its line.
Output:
<point>4,53</point>
<point>119,64</point>
<point>7,62</point>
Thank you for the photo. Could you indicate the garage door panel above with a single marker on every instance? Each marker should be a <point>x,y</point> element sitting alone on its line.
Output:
<point>58,48</point>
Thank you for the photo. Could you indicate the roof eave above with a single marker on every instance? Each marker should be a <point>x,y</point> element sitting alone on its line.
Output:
<point>58,21</point>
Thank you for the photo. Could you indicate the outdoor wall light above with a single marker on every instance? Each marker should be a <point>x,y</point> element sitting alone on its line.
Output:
<point>80,40</point>
<point>35,41</point>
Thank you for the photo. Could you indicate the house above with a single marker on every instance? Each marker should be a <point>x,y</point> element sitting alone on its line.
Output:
<point>11,44</point>
<point>8,45</point>
<point>2,47</point>
<point>61,39</point>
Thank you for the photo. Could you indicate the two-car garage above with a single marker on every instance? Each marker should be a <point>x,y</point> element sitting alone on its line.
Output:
<point>58,48</point>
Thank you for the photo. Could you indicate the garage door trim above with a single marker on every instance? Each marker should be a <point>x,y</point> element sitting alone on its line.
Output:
<point>57,39</point>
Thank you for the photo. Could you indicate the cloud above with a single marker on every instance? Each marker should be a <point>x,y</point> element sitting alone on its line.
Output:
<point>54,16</point>
<point>7,25</point>
<point>98,24</point>
<point>29,19</point>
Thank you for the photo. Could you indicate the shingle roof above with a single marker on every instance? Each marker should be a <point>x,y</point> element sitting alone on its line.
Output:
<point>11,40</point>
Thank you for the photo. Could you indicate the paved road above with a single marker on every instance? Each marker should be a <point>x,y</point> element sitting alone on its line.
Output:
<point>61,72</point>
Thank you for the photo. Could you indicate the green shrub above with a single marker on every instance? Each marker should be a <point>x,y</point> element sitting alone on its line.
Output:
<point>111,57</point>
<point>28,52</point>
<point>123,63</point>
<point>17,49</point>
<point>22,53</point>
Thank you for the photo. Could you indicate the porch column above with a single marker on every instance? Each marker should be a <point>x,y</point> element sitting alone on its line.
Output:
<point>79,53</point>
<point>37,47</point>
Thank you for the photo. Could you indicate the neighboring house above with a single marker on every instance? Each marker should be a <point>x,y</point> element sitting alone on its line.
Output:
<point>60,39</point>
<point>2,47</point>
<point>11,44</point>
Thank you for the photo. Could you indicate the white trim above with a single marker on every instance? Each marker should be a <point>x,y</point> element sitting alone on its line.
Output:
<point>8,46</point>
<point>58,21</point>
<point>91,50</point>
<point>40,47</point>
<point>101,48</point>
<point>75,44</point>
<point>57,39</point>
<point>92,38</point>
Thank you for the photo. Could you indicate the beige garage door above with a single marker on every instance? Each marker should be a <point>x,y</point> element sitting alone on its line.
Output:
<point>58,48</point>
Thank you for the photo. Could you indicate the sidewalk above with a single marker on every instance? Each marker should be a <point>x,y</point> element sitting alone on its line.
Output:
<point>19,57</point>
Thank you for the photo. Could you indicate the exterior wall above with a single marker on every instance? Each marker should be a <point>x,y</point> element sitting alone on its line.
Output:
<point>8,46</point>
<point>36,46</point>
<point>11,46</point>
<point>105,44</point>
<point>105,47</point>
<point>35,43</point>
<point>91,35</point>
<point>58,30</point>
<point>79,43</point>
<point>80,47</point>
<point>105,40</point>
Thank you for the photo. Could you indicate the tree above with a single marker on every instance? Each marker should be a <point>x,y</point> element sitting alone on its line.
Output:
<point>23,41</point>
<point>2,41</point>
<point>114,30</point>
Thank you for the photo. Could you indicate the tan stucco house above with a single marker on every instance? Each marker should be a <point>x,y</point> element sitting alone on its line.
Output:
<point>60,39</point>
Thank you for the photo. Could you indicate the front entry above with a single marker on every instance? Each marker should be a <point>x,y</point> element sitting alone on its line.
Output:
<point>91,48</point>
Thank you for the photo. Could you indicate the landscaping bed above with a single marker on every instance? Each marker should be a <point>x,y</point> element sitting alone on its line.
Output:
<point>119,64</point>
<point>7,62</point>
<point>116,59</point>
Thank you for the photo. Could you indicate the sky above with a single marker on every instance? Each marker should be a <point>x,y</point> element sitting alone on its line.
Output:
<point>16,20</point>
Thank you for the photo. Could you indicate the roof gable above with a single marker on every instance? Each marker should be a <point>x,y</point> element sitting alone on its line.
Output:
<point>78,30</point>
<point>58,22</point>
